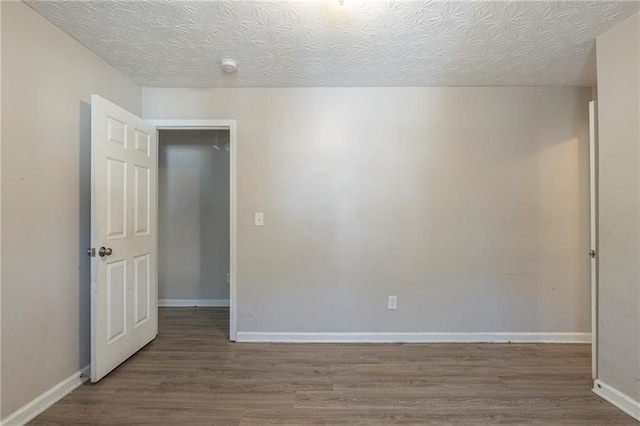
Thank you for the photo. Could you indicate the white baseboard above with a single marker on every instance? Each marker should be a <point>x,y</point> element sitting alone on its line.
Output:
<point>185,303</point>
<point>29,411</point>
<point>617,398</point>
<point>243,336</point>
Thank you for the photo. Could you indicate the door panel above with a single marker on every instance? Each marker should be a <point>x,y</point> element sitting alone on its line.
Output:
<point>142,286</point>
<point>143,142</point>
<point>124,305</point>
<point>116,200</point>
<point>116,132</point>
<point>142,191</point>
<point>116,299</point>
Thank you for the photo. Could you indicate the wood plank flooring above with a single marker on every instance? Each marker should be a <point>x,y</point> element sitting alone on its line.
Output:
<point>192,374</point>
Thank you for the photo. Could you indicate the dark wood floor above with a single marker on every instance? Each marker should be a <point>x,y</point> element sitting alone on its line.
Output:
<point>192,374</point>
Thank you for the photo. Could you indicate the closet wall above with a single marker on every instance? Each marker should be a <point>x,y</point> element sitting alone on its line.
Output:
<point>193,217</point>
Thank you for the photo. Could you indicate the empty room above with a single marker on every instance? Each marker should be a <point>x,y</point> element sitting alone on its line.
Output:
<point>296,212</point>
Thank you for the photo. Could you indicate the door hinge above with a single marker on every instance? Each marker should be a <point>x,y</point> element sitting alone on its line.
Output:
<point>592,253</point>
<point>91,252</point>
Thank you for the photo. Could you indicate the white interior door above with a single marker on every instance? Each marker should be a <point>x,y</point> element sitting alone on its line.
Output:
<point>124,170</point>
<point>593,196</point>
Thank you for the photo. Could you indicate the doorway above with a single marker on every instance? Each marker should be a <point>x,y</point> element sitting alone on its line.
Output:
<point>193,217</point>
<point>196,215</point>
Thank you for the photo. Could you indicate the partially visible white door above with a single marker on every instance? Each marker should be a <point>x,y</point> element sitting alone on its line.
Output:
<point>124,304</point>
<point>593,197</point>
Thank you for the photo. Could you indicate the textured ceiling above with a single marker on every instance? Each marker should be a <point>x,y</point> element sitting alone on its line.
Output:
<point>359,43</point>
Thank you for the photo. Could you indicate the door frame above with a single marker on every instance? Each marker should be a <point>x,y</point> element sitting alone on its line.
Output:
<point>230,125</point>
<point>593,239</point>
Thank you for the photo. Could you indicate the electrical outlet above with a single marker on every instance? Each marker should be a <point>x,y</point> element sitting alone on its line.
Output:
<point>392,302</point>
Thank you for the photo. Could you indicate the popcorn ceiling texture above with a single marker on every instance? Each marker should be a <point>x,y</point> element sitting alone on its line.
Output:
<point>361,43</point>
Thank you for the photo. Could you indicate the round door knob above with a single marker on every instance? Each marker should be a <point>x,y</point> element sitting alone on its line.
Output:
<point>105,251</point>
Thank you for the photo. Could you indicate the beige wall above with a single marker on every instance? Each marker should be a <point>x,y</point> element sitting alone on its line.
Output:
<point>193,215</point>
<point>469,204</point>
<point>47,80</point>
<point>619,186</point>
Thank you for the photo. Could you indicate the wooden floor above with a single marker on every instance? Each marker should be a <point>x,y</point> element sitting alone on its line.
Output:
<point>192,374</point>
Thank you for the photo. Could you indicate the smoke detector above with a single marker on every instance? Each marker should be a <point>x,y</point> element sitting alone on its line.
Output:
<point>229,66</point>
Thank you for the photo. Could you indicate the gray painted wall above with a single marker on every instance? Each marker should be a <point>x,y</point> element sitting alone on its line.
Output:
<point>619,186</point>
<point>47,81</point>
<point>193,215</point>
<point>469,204</point>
